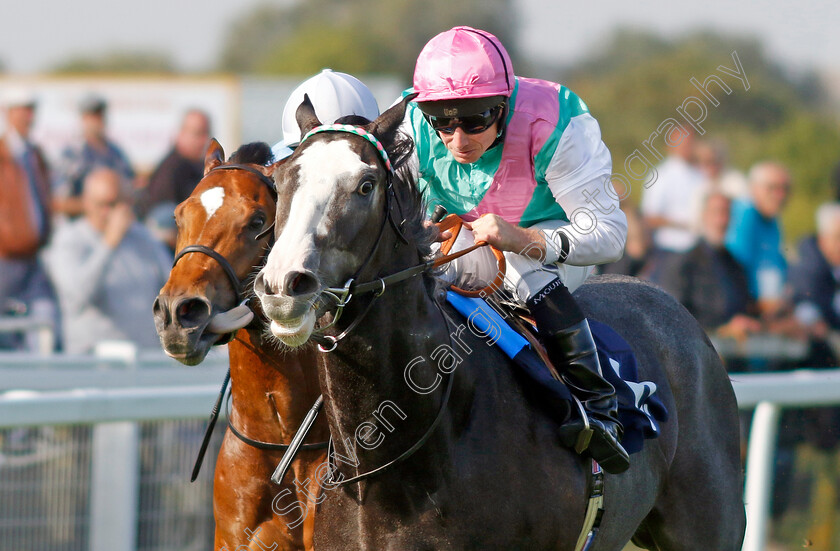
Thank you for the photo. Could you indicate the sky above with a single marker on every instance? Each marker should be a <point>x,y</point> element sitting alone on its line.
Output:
<point>35,35</point>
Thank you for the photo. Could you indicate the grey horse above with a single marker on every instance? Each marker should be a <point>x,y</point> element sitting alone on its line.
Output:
<point>449,452</point>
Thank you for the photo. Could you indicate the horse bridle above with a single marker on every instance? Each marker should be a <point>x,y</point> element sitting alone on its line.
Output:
<point>220,259</point>
<point>237,287</point>
<point>342,296</point>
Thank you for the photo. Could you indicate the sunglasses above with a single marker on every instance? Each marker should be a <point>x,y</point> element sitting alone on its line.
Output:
<point>471,124</point>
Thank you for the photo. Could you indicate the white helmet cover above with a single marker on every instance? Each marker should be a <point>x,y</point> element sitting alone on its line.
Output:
<point>334,95</point>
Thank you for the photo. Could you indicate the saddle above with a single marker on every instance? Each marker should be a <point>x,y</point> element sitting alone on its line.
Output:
<point>510,328</point>
<point>514,331</point>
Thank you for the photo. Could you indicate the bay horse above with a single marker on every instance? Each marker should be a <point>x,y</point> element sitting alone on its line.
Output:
<point>221,241</point>
<point>435,445</point>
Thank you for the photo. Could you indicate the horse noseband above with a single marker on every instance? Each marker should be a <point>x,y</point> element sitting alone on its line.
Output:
<point>234,280</point>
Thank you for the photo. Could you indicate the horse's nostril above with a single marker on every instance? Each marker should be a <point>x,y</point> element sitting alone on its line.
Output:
<point>300,283</point>
<point>191,312</point>
<point>160,311</point>
<point>262,286</point>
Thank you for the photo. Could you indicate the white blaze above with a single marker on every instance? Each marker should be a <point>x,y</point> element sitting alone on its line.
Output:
<point>323,168</point>
<point>212,199</point>
<point>326,171</point>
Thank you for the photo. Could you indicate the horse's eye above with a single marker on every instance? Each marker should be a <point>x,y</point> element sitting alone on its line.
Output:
<point>257,222</point>
<point>365,187</point>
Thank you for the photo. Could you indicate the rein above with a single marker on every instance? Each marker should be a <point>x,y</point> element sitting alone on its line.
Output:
<point>342,295</point>
<point>332,468</point>
<point>265,446</point>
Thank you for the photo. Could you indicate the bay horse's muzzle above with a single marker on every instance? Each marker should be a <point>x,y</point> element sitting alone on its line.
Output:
<point>183,312</point>
<point>181,323</point>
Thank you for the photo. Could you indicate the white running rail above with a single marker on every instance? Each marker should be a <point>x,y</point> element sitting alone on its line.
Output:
<point>143,393</point>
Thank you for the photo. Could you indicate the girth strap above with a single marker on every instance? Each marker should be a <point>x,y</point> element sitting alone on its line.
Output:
<point>594,509</point>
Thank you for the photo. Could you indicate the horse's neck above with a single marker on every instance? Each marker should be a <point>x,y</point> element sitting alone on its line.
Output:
<point>272,390</point>
<point>374,414</point>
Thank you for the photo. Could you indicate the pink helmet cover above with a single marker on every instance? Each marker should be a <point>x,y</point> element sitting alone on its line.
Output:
<point>463,63</point>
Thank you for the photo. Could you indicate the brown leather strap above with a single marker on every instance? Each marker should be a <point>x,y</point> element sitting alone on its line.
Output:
<point>453,223</point>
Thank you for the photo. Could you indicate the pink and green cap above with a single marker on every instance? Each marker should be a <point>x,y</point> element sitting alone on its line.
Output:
<point>463,63</point>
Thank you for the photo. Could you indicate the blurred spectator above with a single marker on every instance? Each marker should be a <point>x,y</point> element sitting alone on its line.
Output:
<point>816,278</point>
<point>636,247</point>
<point>161,224</point>
<point>177,175</point>
<point>712,162</point>
<point>666,204</point>
<point>24,218</point>
<point>107,269</point>
<point>94,151</point>
<point>816,293</point>
<point>707,279</point>
<point>754,236</point>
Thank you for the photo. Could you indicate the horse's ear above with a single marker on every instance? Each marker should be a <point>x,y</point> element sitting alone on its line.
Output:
<point>214,157</point>
<point>306,117</point>
<point>268,170</point>
<point>386,125</point>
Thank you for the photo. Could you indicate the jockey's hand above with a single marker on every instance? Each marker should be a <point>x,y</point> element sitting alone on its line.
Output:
<point>494,230</point>
<point>439,235</point>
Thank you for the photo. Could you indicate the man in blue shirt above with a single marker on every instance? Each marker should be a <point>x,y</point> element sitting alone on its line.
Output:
<point>754,236</point>
<point>95,151</point>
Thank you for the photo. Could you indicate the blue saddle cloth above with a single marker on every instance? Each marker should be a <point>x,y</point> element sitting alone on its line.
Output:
<point>639,409</point>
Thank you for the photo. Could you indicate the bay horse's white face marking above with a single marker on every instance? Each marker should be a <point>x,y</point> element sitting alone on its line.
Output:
<point>212,199</point>
<point>316,244</point>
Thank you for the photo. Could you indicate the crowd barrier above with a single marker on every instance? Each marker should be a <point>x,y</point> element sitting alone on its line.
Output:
<point>113,405</point>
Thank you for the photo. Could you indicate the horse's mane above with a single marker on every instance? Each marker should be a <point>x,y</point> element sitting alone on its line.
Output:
<point>256,153</point>
<point>413,211</point>
<point>409,198</point>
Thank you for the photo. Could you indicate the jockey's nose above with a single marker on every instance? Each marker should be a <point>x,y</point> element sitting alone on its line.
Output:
<point>459,137</point>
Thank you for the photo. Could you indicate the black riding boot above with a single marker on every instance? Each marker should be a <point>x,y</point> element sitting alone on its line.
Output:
<point>568,340</point>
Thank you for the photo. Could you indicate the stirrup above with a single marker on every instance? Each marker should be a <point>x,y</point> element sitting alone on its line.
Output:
<point>584,437</point>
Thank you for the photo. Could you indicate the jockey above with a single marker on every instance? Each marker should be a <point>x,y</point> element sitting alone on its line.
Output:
<point>333,95</point>
<point>517,159</point>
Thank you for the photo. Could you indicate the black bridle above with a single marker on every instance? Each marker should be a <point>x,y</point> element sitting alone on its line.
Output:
<point>342,296</point>
<point>223,262</point>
